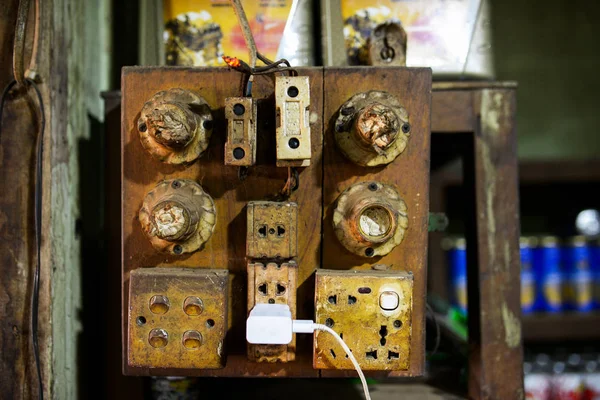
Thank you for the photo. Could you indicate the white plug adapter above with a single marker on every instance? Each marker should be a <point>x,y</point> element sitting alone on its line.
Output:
<point>269,324</point>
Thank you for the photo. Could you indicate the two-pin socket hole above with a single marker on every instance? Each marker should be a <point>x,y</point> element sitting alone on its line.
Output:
<point>277,231</point>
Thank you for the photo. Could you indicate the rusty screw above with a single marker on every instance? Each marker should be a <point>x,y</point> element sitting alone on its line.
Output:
<point>159,304</point>
<point>193,306</point>
<point>158,338</point>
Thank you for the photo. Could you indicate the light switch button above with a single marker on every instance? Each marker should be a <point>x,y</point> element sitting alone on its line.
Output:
<point>388,300</point>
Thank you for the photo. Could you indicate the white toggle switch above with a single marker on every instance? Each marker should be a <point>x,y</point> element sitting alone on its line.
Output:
<point>388,300</point>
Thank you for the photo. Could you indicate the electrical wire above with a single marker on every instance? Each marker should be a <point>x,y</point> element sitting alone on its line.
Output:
<point>363,380</point>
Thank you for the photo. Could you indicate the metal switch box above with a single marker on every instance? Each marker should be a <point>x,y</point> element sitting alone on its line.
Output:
<point>272,229</point>
<point>177,318</point>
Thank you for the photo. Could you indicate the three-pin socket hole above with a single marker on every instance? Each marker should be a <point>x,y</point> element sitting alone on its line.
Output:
<point>262,289</point>
<point>364,290</point>
<point>294,143</point>
<point>280,231</point>
<point>351,299</point>
<point>279,289</point>
<point>332,299</point>
<point>239,153</point>
<point>262,231</point>
<point>239,109</point>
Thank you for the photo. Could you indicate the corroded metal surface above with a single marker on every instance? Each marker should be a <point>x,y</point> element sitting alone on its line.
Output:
<point>177,318</point>
<point>372,128</point>
<point>292,102</point>
<point>178,216</point>
<point>387,45</point>
<point>175,126</point>
<point>272,283</point>
<point>272,229</point>
<point>241,114</point>
<point>370,219</point>
<point>372,311</point>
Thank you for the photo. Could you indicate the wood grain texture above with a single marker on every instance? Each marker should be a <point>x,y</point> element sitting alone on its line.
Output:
<point>409,173</point>
<point>493,251</point>
<point>226,248</point>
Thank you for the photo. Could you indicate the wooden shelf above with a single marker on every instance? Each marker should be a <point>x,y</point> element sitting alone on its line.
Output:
<point>561,327</point>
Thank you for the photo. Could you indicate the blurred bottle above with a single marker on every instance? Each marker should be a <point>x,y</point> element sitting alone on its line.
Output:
<point>567,383</point>
<point>595,267</point>
<point>577,275</point>
<point>548,275</point>
<point>538,378</point>
<point>591,381</point>
<point>457,262</point>
<point>587,222</point>
<point>527,278</point>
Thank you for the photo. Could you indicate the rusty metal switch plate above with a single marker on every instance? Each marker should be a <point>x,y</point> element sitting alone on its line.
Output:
<point>272,229</point>
<point>292,102</point>
<point>240,148</point>
<point>371,310</point>
<point>177,318</point>
<point>272,283</point>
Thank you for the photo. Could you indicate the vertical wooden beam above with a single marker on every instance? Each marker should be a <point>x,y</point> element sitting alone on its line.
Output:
<point>496,357</point>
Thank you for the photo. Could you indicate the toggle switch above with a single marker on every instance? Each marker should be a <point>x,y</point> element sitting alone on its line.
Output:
<point>372,128</point>
<point>175,126</point>
<point>178,216</point>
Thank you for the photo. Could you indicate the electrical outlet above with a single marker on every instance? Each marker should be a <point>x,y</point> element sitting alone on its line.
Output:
<point>371,310</point>
<point>272,229</point>
<point>292,104</point>
<point>272,283</point>
<point>240,148</point>
<point>177,318</point>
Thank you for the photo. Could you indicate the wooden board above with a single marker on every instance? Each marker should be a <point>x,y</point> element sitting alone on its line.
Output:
<point>409,173</point>
<point>226,248</point>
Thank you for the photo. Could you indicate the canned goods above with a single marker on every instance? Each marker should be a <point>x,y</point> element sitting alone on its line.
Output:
<point>595,267</point>
<point>577,275</point>
<point>527,279</point>
<point>457,262</point>
<point>548,275</point>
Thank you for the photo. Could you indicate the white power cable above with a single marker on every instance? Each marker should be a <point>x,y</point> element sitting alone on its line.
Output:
<point>273,324</point>
<point>327,329</point>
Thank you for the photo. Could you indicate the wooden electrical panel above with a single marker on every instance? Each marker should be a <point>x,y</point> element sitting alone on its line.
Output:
<point>324,174</point>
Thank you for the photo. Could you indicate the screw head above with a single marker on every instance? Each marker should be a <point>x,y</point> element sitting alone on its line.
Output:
<point>271,301</point>
<point>176,184</point>
<point>369,252</point>
<point>207,124</point>
<point>372,186</point>
<point>397,323</point>
<point>329,322</point>
<point>177,249</point>
<point>406,127</point>
<point>293,91</point>
<point>239,109</point>
<point>294,143</point>
<point>143,127</point>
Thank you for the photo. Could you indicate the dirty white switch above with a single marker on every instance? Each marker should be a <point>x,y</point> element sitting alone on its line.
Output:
<point>388,300</point>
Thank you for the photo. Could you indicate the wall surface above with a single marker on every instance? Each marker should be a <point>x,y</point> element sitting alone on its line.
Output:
<point>548,47</point>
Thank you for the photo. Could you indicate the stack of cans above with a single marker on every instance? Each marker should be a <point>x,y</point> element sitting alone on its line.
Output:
<point>556,275</point>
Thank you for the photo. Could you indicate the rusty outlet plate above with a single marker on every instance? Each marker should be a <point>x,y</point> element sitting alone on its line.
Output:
<point>371,310</point>
<point>240,148</point>
<point>292,102</point>
<point>272,229</point>
<point>272,283</point>
<point>177,318</point>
